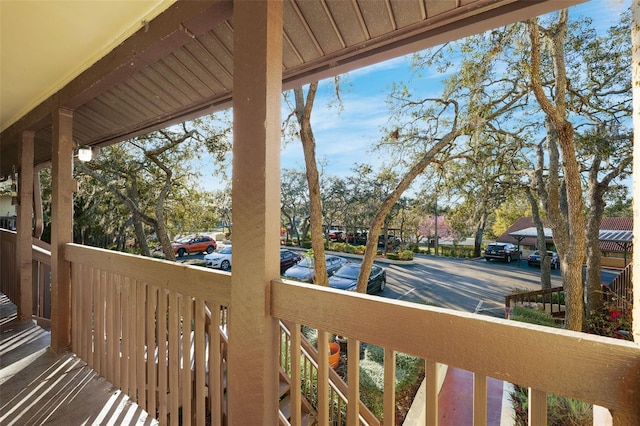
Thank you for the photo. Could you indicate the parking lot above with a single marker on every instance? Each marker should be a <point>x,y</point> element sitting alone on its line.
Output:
<point>470,285</point>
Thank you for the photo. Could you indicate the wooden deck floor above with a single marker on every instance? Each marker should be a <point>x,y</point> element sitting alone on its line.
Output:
<point>39,387</point>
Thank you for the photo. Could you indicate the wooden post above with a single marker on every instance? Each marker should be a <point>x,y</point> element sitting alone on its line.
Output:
<point>62,190</point>
<point>253,343</point>
<point>25,209</point>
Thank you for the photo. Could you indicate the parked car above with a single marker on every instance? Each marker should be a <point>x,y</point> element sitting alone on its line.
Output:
<point>288,258</point>
<point>198,244</point>
<point>336,235</point>
<point>346,278</point>
<point>392,241</point>
<point>305,271</point>
<point>502,251</point>
<point>221,258</point>
<point>535,259</point>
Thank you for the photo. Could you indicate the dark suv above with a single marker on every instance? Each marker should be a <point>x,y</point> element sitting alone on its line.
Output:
<point>502,251</point>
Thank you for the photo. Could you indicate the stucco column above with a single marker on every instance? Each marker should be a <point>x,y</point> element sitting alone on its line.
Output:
<point>62,190</point>
<point>257,86</point>
<point>25,210</point>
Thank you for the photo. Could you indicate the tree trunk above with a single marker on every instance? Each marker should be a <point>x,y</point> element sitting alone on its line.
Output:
<point>571,247</point>
<point>593,284</point>
<point>303,114</point>
<point>477,241</point>
<point>541,242</point>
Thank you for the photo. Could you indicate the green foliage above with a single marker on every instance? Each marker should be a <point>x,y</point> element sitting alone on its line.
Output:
<point>408,370</point>
<point>509,212</point>
<point>611,321</point>
<point>401,255</point>
<point>532,316</point>
<point>347,248</point>
<point>561,411</point>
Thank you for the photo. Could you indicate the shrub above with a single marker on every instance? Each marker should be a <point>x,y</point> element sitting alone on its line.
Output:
<point>408,370</point>
<point>405,255</point>
<point>306,244</point>
<point>532,316</point>
<point>611,321</point>
<point>561,410</point>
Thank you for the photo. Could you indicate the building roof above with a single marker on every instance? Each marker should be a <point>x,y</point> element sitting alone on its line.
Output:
<point>616,233</point>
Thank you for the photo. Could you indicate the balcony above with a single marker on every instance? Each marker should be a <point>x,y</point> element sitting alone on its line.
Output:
<point>126,307</point>
<point>190,345</point>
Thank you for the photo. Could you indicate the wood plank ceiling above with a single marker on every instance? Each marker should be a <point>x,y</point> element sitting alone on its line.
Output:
<point>180,65</point>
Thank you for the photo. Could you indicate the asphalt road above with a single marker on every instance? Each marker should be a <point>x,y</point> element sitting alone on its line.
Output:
<point>462,284</point>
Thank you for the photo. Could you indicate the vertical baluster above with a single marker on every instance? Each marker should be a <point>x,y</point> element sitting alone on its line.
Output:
<point>110,328</point>
<point>117,331</point>
<point>131,341</point>
<point>537,407</point>
<point>296,399</point>
<point>200,360</point>
<point>96,332</point>
<point>479,400</point>
<point>323,378</point>
<point>151,344</point>
<point>139,362</point>
<point>124,343</point>
<point>389,405</point>
<point>174,357</point>
<point>163,379</point>
<point>102,320</point>
<point>431,378</point>
<point>353,372</point>
<point>187,385</point>
<point>216,377</point>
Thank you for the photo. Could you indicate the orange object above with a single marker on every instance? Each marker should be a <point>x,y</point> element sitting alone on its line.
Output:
<point>334,355</point>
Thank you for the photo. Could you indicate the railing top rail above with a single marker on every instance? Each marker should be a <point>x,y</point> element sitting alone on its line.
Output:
<point>506,350</point>
<point>185,279</point>
<point>42,245</point>
<point>535,292</point>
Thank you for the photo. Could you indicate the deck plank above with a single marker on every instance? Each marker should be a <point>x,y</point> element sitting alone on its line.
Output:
<point>40,387</point>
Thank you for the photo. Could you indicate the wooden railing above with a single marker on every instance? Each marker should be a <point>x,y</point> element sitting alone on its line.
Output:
<point>338,389</point>
<point>9,283</point>
<point>620,291</point>
<point>8,222</point>
<point>124,308</point>
<point>489,347</point>
<point>550,300</point>
<point>41,275</point>
<point>146,326</point>
<point>42,283</point>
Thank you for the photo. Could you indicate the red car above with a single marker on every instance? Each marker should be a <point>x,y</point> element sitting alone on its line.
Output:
<point>288,258</point>
<point>189,245</point>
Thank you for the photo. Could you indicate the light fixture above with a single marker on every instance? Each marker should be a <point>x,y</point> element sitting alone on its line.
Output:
<point>84,154</point>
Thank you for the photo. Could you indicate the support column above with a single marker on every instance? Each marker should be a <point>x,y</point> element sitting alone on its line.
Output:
<point>62,190</point>
<point>253,333</point>
<point>24,226</point>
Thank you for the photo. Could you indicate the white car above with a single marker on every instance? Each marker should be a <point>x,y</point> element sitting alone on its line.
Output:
<point>221,258</point>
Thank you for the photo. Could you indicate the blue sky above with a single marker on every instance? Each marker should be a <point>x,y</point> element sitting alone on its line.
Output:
<point>344,137</point>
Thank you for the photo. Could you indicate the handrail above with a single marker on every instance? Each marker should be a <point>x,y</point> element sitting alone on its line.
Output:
<point>507,348</point>
<point>338,386</point>
<point>621,288</point>
<point>41,276</point>
<point>537,297</point>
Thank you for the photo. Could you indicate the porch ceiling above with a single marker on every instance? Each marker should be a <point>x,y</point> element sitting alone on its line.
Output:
<point>179,65</point>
